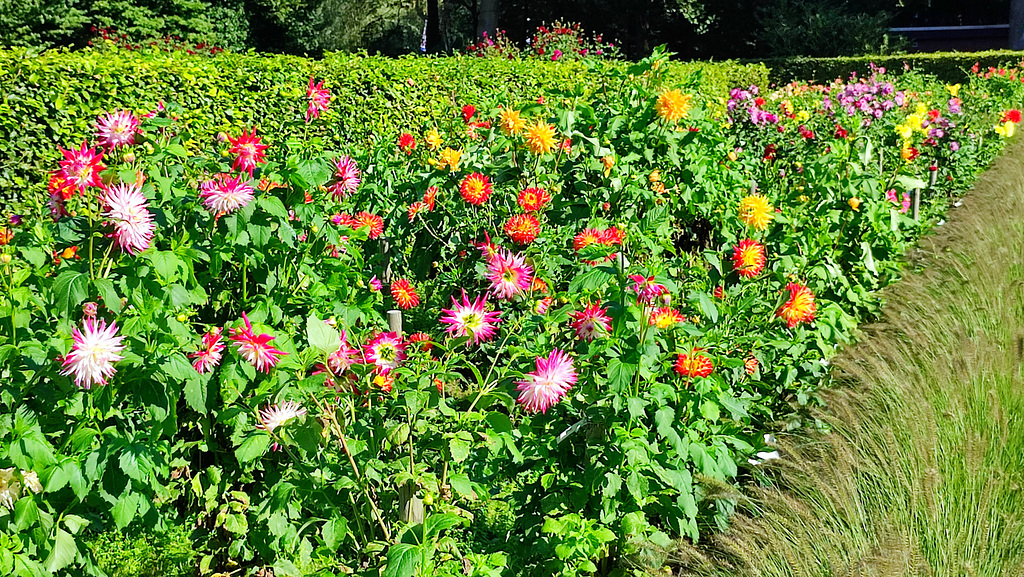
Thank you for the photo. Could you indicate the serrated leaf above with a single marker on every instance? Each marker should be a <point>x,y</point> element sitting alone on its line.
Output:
<point>63,552</point>
<point>125,508</point>
<point>105,288</point>
<point>459,448</point>
<point>70,288</point>
<point>334,532</point>
<point>254,445</point>
<point>403,560</point>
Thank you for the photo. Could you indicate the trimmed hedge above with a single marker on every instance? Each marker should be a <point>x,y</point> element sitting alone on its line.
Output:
<point>947,66</point>
<point>53,99</point>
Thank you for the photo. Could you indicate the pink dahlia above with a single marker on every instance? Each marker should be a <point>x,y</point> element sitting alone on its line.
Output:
<point>93,355</point>
<point>225,194</point>
<point>471,319</point>
<point>346,174</point>
<point>133,225</point>
<point>81,168</point>
<point>274,416</point>
<point>255,348</point>
<point>544,387</point>
<point>591,321</point>
<point>116,129</point>
<point>208,356</point>
<point>509,274</point>
<point>646,289</point>
<point>340,360</point>
<point>319,98</point>
<point>248,151</point>
<point>386,351</point>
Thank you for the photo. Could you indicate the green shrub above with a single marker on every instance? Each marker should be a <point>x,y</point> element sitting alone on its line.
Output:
<point>947,66</point>
<point>144,553</point>
<point>53,99</point>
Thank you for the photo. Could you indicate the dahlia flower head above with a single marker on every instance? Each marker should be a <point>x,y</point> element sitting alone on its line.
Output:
<point>347,177</point>
<point>509,274</point>
<point>591,322</point>
<point>255,348</point>
<point>127,210</point>
<point>116,129</point>
<point>799,308</point>
<point>541,388</point>
<point>225,194</point>
<point>209,354</point>
<point>94,353</point>
<point>385,351</point>
<point>81,168</point>
<point>319,98</point>
<point>248,152</point>
<point>471,319</point>
<point>274,416</point>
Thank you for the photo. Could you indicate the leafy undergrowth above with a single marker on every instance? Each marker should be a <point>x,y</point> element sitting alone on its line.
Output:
<point>922,470</point>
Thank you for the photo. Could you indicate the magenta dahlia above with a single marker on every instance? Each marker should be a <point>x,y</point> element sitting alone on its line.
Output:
<point>591,321</point>
<point>509,274</point>
<point>471,319</point>
<point>208,356</point>
<point>255,348</point>
<point>385,351</point>
<point>81,168</point>
<point>116,129</point>
<point>346,175</point>
<point>545,386</point>
<point>225,194</point>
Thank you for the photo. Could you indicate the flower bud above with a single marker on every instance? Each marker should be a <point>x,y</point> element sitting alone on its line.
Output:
<point>854,203</point>
<point>5,258</point>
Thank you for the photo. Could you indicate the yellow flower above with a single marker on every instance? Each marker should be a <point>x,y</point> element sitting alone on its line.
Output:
<point>854,204</point>
<point>433,140</point>
<point>953,89</point>
<point>450,159</point>
<point>673,105</point>
<point>511,123</point>
<point>609,162</point>
<point>905,131</point>
<point>733,155</point>
<point>1005,129</point>
<point>787,107</point>
<point>756,211</point>
<point>920,109</point>
<point>655,176</point>
<point>540,138</point>
<point>803,116</point>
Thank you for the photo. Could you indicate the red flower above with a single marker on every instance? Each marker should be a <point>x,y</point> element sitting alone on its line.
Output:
<point>406,143</point>
<point>800,307</point>
<point>533,199</point>
<point>770,152</point>
<point>416,208</point>
<point>1012,115</point>
<point>840,131</point>
<point>719,292</point>
<point>423,339</point>
<point>696,366</point>
<point>612,236</point>
<point>429,197</point>
<point>476,189</point>
<point>248,151</point>
<point>522,228</point>
<point>467,113</point>
<point>748,258</point>
<point>586,238</point>
<point>375,222</point>
<point>404,294</point>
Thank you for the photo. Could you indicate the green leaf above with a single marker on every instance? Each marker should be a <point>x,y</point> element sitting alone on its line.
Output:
<point>590,280</point>
<point>254,445</point>
<point>334,532</point>
<point>125,509</point>
<point>196,395</point>
<point>620,375</point>
<point>321,336</point>
<point>63,553</point>
<point>403,560</point>
<point>459,448</point>
<point>499,422</point>
<point>70,288</point>
<point>710,410</point>
<point>462,485</point>
<point>434,524</point>
<point>274,207</point>
<point>707,306</point>
<point>105,288</point>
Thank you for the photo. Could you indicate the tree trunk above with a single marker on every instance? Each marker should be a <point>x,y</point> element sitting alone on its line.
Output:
<point>434,41</point>
<point>1017,24</point>
<point>487,18</point>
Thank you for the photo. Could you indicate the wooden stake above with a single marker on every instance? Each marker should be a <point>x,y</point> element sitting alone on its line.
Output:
<point>917,203</point>
<point>395,321</point>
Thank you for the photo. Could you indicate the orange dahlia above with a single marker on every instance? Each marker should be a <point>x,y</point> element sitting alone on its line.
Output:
<point>433,139</point>
<point>476,189</point>
<point>375,222</point>
<point>511,122</point>
<point>522,228</point>
<point>665,317</point>
<point>586,238</point>
<point>756,211</point>
<point>695,366</point>
<point>416,208</point>
<point>748,258</point>
<point>750,364</point>
<point>533,199</point>
<point>429,197</point>
<point>799,308</point>
<point>540,138</point>
<point>423,339</point>
<point>673,105</point>
<point>404,294</point>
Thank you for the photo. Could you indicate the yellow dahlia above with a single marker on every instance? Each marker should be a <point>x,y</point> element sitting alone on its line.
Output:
<point>433,140</point>
<point>756,211</point>
<point>511,122</point>
<point>673,105</point>
<point>540,138</point>
<point>449,159</point>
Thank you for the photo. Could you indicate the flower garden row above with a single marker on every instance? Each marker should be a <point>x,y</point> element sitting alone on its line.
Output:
<point>606,300</point>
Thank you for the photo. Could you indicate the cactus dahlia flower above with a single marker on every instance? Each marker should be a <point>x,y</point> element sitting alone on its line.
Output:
<point>509,274</point>
<point>274,416</point>
<point>665,317</point>
<point>533,199</point>
<point>755,211</point>
<point>81,168</point>
<point>374,221</point>
<point>471,319</point>
<point>673,105</point>
<point>540,138</point>
<point>385,351</point>
<point>586,238</point>
<point>423,340</point>
<point>225,194</point>
<point>591,322</point>
<point>694,366</point>
<point>248,151</point>
<point>546,385</point>
<point>344,357</point>
<point>646,289</point>
<point>255,348</point>
<point>94,353</point>
<point>522,228</point>
<point>800,307</point>
<point>476,189</point>
<point>133,225</point>
<point>406,143</point>
<point>404,294</point>
<point>208,356</point>
<point>116,129</point>
<point>449,159</point>
<point>347,178</point>
<point>319,98</point>
<point>748,258</point>
<point>511,123</point>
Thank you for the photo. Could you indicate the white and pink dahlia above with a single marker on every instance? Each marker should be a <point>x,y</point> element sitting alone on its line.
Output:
<point>225,193</point>
<point>115,129</point>
<point>274,416</point>
<point>591,322</point>
<point>346,175</point>
<point>471,319</point>
<point>208,356</point>
<point>319,98</point>
<point>255,348</point>
<point>340,360</point>
<point>509,274</point>
<point>94,353</point>
<point>81,168</point>
<point>127,209</point>
<point>385,351</point>
<point>544,387</point>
